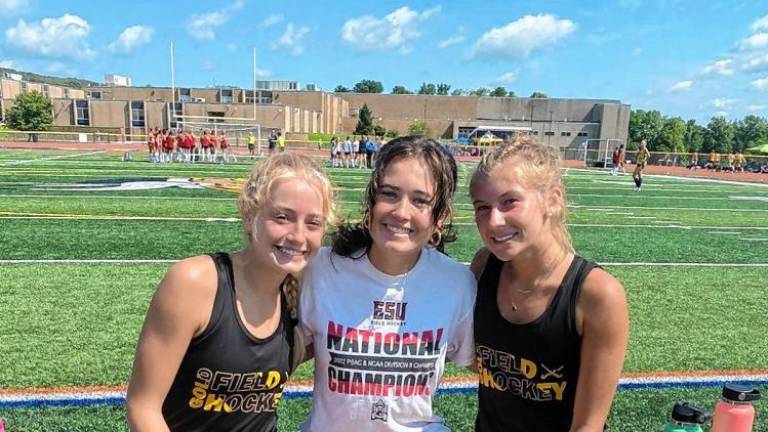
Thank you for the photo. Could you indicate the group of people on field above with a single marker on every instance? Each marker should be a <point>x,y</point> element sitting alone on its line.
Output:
<point>166,145</point>
<point>356,153</point>
<point>382,309</point>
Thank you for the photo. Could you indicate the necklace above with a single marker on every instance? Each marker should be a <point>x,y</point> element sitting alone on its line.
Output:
<point>528,292</point>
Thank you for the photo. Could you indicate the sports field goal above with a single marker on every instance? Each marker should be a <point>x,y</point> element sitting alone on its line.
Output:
<point>598,152</point>
<point>238,130</point>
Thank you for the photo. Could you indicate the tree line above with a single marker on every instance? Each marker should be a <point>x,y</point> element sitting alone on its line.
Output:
<point>372,86</point>
<point>669,134</point>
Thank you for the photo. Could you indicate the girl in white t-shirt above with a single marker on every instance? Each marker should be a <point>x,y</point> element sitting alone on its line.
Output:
<point>383,307</point>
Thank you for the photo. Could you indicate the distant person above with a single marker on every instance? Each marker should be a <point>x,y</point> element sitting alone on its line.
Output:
<point>694,162</point>
<point>355,152</point>
<point>346,148</point>
<point>280,142</point>
<point>616,160</point>
<point>641,160</point>
<point>218,343</point>
<point>251,145</point>
<point>272,141</point>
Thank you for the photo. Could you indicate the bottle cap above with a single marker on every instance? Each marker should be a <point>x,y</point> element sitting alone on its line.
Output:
<point>740,393</point>
<point>683,412</point>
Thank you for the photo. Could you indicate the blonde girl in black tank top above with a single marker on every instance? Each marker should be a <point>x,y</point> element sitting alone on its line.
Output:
<point>218,340</point>
<point>551,328</point>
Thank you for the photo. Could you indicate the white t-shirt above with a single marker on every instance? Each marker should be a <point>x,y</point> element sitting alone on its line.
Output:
<point>381,341</point>
<point>355,146</point>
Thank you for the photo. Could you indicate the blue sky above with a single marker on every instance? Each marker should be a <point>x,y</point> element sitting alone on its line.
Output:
<point>695,59</point>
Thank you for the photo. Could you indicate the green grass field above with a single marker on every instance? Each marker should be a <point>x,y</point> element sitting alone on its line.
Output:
<point>76,324</point>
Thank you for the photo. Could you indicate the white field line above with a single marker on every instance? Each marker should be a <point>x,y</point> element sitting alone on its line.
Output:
<point>754,239</point>
<point>19,215</point>
<point>12,163</point>
<point>120,197</point>
<point>170,261</point>
<point>671,226</point>
<point>608,208</point>
<point>671,177</point>
<point>641,195</point>
<point>724,232</point>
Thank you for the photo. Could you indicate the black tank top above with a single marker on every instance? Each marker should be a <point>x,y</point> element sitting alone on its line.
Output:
<point>230,380</point>
<point>528,372</point>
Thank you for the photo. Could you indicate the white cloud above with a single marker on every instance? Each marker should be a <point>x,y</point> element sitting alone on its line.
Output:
<point>263,73</point>
<point>8,64</point>
<point>9,8</point>
<point>292,39</point>
<point>637,51</point>
<point>756,41</point>
<point>519,38</point>
<point>722,103</point>
<point>203,26</point>
<point>756,64</point>
<point>131,38</point>
<point>507,78</point>
<point>753,108</point>
<point>720,67</point>
<point>681,86</point>
<point>394,31</point>
<point>207,65</point>
<point>721,114</point>
<point>455,39</point>
<point>272,20</point>
<point>231,47</point>
<point>760,24</point>
<point>65,36</point>
<point>761,84</point>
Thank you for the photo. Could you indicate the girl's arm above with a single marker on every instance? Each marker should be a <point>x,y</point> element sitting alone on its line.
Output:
<point>605,332</point>
<point>179,310</point>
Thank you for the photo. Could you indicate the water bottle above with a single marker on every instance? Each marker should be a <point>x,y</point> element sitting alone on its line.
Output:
<point>2,425</point>
<point>735,412</point>
<point>686,418</point>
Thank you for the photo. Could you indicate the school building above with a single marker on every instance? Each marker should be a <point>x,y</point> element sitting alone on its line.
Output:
<point>134,110</point>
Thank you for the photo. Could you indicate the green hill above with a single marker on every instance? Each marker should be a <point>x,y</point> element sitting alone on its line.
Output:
<point>46,79</point>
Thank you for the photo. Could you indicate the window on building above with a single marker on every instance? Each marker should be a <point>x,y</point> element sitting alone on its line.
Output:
<point>185,95</point>
<point>583,134</point>
<point>534,132</point>
<point>565,134</point>
<point>23,86</point>
<point>46,90</point>
<point>66,93</point>
<point>82,113</point>
<point>225,96</point>
<point>95,95</point>
<point>176,111</point>
<point>550,133</point>
<point>137,113</point>
<point>217,115</point>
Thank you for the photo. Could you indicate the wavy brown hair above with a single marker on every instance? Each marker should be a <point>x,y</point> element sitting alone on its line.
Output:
<point>354,239</point>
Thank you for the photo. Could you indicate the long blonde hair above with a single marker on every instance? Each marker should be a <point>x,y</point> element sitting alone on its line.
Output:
<point>538,166</point>
<point>258,188</point>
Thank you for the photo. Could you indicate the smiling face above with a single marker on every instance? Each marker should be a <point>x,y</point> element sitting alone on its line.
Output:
<point>288,228</point>
<point>401,222</point>
<point>510,216</point>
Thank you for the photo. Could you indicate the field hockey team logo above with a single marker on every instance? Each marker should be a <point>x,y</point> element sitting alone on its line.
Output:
<point>520,376</point>
<point>253,392</point>
<point>379,410</point>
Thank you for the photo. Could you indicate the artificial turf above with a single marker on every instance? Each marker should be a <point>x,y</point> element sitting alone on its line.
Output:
<point>77,324</point>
